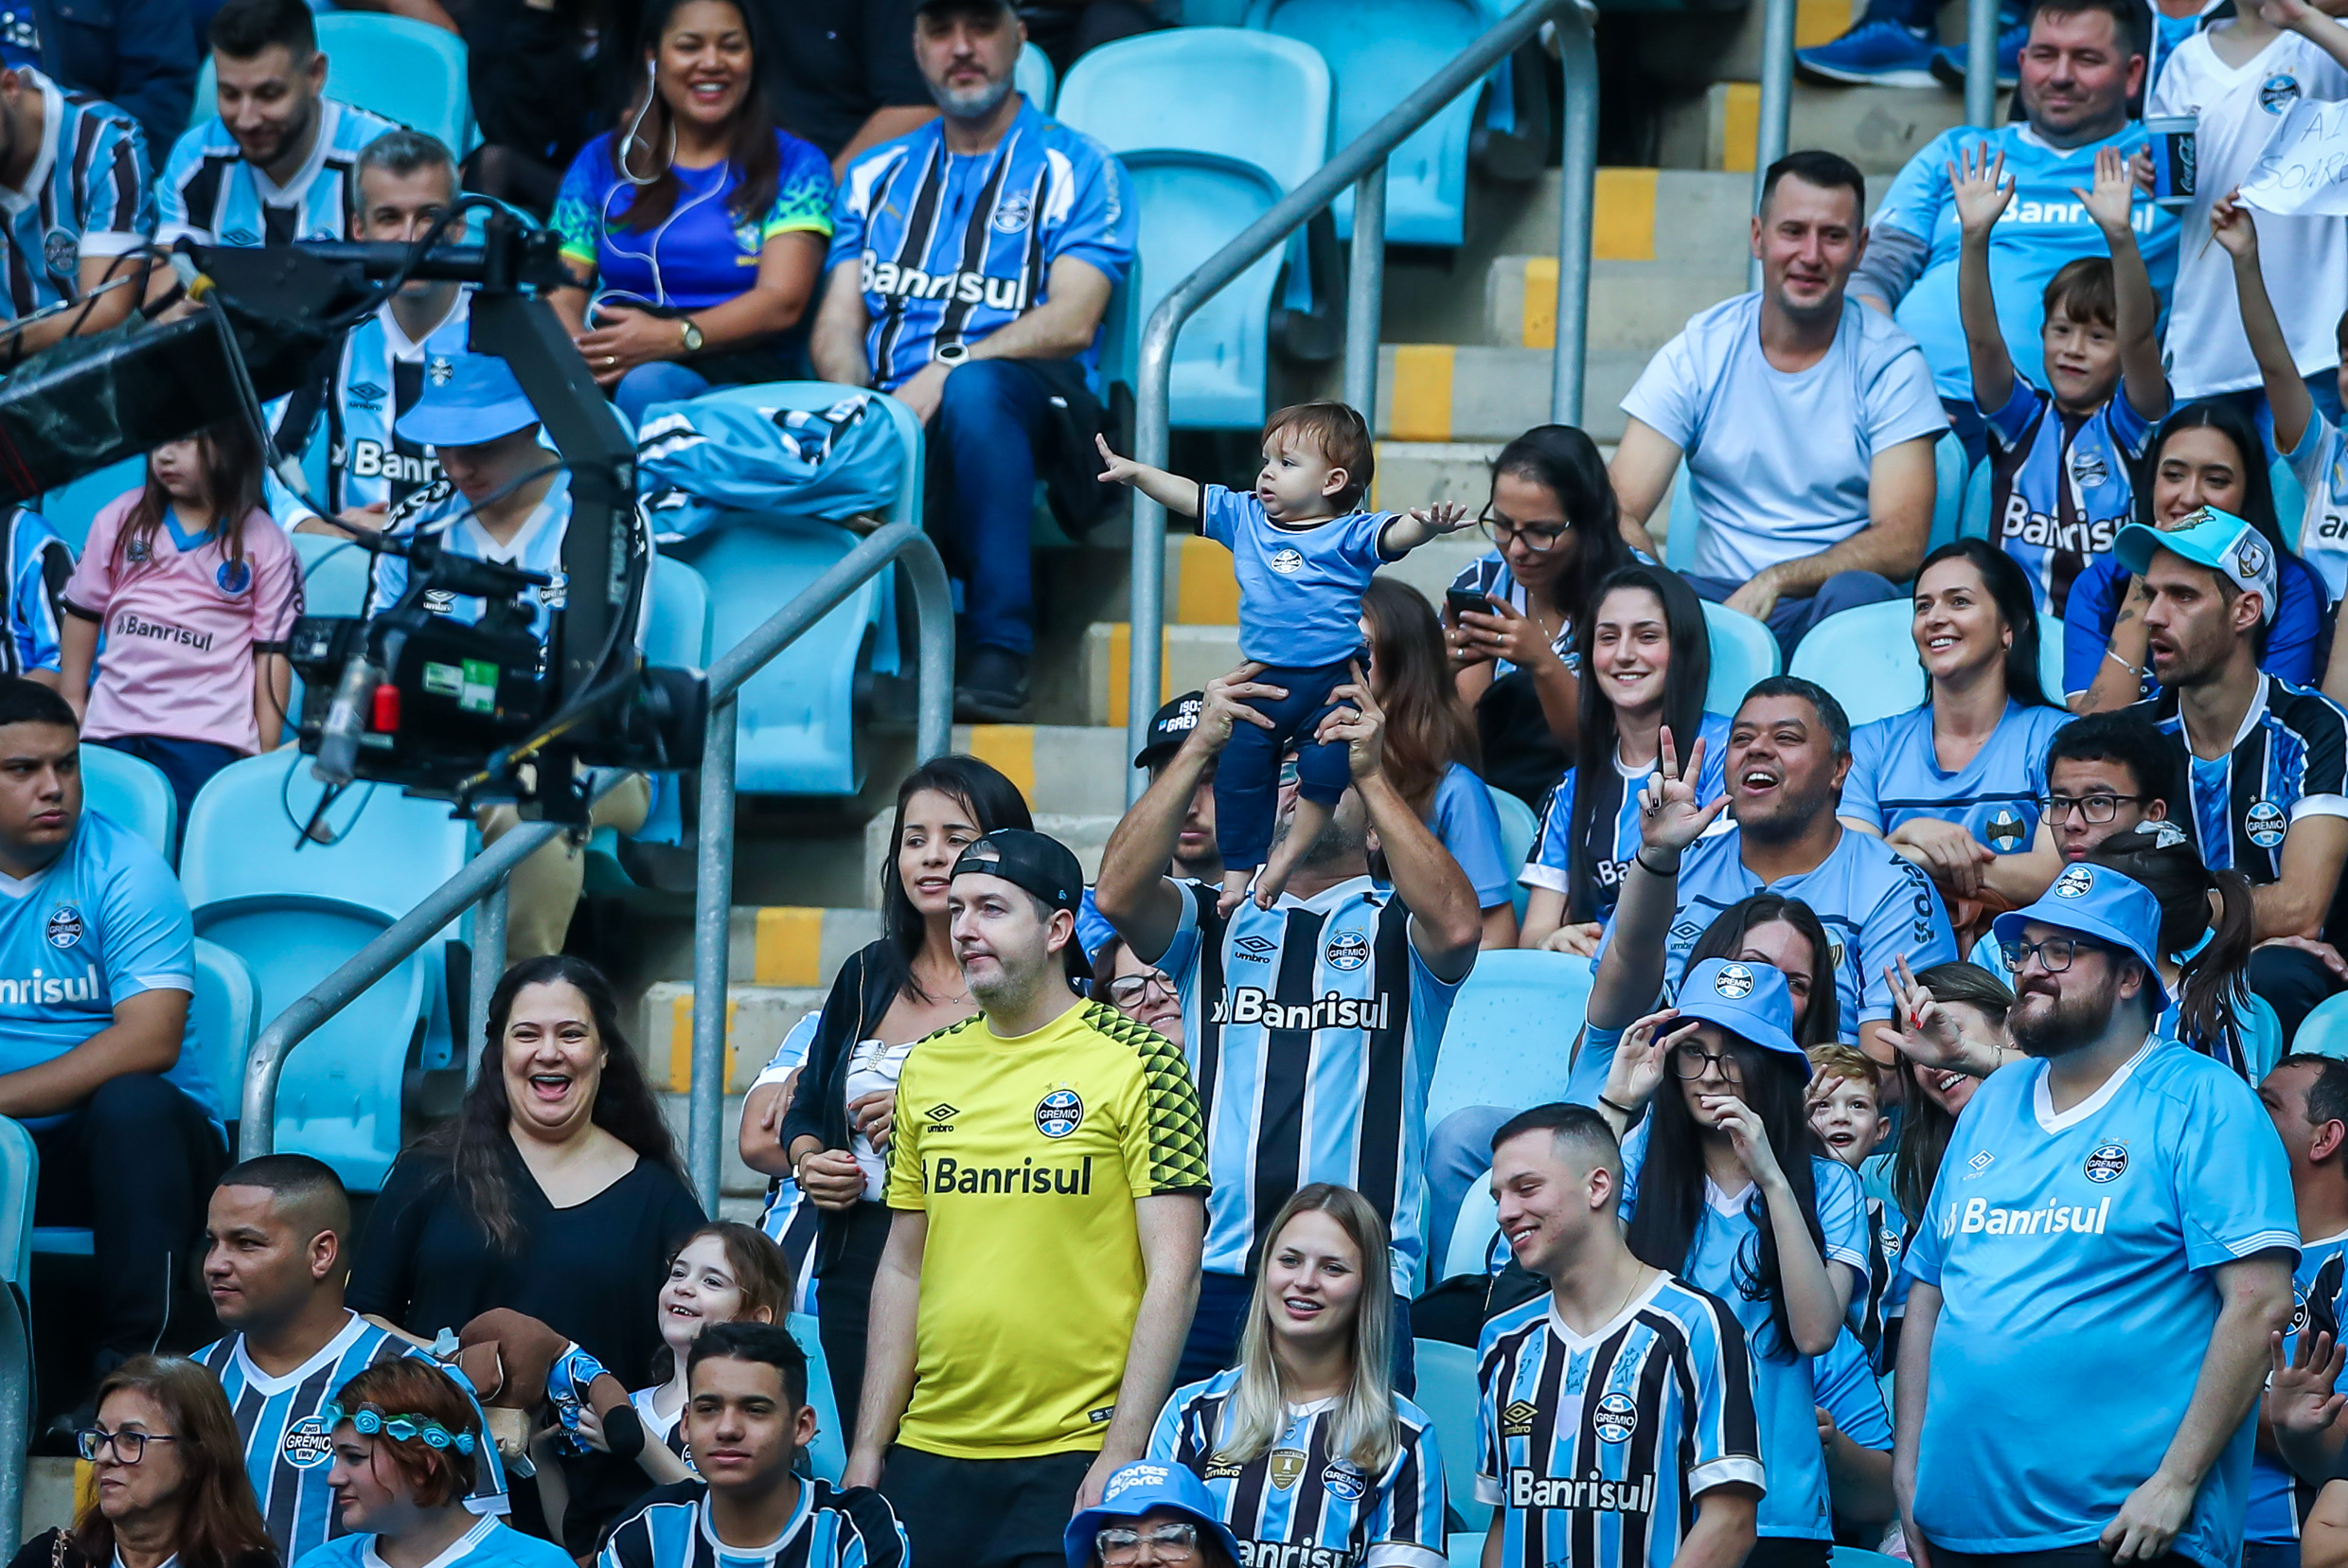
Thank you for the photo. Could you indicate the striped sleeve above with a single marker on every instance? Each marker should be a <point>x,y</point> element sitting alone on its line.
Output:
<point>870,1535</point>
<point>117,201</point>
<point>1547,863</point>
<point>1166,1438</point>
<point>1406,1528</point>
<point>32,612</point>
<point>1722,1424</point>
<point>1491,1385</point>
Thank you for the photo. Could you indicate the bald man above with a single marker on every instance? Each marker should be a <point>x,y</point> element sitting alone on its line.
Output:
<point>275,1263</point>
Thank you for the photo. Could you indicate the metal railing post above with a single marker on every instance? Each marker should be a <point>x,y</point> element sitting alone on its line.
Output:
<point>1365,298</point>
<point>713,913</point>
<point>15,1410</point>
<point>1777,26</point>
<point>1981,63</point>
<point>1578,200</point>
<point>488,968</point>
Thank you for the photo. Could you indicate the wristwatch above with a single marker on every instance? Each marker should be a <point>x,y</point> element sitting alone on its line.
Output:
<point>692,336</point>
<point>951,353</point>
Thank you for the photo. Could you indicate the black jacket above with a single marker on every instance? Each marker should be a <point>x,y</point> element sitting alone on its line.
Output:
<point>138,55</point>
<point>859,998</point>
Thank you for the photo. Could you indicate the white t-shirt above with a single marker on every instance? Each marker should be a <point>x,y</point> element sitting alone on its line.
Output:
<point>1778,462</point>
<point>2305,259</point>
<point>873,1066</point>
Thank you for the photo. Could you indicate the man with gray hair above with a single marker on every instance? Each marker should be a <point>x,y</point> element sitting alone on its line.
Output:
<point>403,183</point>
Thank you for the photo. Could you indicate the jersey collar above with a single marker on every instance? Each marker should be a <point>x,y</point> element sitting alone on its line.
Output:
<point>801,1512</point>
<point>395,340</point>
<point>2251,717</point>
<point>1611,1325</point>
<point>1329,899</point>
<point>52,112</point>
<point>456,1551</point>
<point>554,510</point>
<point>271,194</point>
<point>325,1355</point>
<point>2042,1102</point>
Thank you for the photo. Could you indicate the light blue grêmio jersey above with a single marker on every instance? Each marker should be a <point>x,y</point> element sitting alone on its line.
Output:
<point>491,1543</point>
<point>1847,1390</point>
<point>1595,1448</point>
<point>104,922</point>
<point>288,1448</point>
<point>1613,825</point>
<point>1300,586</point>
<point>2074,1252</point>
<point>211,193</point>
<point>2279,1500</point>
<point>1725,1250</point>
<point>1896,778</point>
<point>1310,1029</point>
<point>85,196</point>
<point>828,1528</point>
<point>1298,1502</point>
<point>2045,227</point>
<point>1874,904</point>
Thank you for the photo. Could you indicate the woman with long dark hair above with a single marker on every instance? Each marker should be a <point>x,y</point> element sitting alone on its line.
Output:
<point>168,1479</point>
<point>1431,749</point>
<point>695,233</point>
<point>1646,661</point>
<point>1953,785</point>
<point>2205,454</point>
<point>1974,1002</point>
<point>1556,534</point>
<point>825,1124</point>
<point>2205,958</point>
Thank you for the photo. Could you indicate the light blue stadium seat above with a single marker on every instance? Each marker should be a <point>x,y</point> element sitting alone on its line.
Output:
<point>827,1456</point>
<point>1034,77</point>
<point>1214,126</point>
<point>1469,1245</point>
<point>1857,1556</point>
<point>335,574</point>
<point>797,716</point>
<point>1950,470</point>
<point>1503,1044</point>
<point>1378,52</point>
<point>1867,658</point>
<point>227,1013</point>
<point>20,1175</point>
<point>407,71</point>
<point>1974,521</point>
<point>2324,1030</point>
<point>1447,1393</point>
<point>1464,1548</point>
<point>131,793</point>
<point>1743,651</point>
<point>72,507</point>
<point>677,636</point>
<point>296,910</point>
<point>2262,1029</point>
<point>1682,534</point>
<point>1518,826</point>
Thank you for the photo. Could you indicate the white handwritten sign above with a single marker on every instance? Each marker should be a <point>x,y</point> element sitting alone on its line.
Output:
<point>2305,172</point>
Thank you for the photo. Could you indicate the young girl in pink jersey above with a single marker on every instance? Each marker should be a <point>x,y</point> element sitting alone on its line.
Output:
<point>195,589</point>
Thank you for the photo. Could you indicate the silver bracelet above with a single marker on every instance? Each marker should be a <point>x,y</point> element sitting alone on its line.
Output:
<point>2113,655</point>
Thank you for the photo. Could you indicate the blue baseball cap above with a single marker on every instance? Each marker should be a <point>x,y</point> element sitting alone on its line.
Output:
<point>2097,901</point>
<point>1749,1001</point>
<point>2206,537</point>
<point>469,399</point>
<point>1133,1490</point>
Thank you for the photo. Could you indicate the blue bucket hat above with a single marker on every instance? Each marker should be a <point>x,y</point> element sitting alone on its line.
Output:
<point>1749,1001</point>
<point>2097,901</point>
<point>1133,1490</point>
<point>2218,539</point>
<point>468,398</point>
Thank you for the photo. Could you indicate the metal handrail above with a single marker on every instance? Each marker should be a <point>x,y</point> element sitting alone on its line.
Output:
<point>1981,63</point>
<point>1776,113</point>
<point>1363,165</point>
<point>713,877</point>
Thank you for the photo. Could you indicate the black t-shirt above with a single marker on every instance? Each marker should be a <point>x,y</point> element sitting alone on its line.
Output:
<point>837,61</point>
<point>591,1272</point>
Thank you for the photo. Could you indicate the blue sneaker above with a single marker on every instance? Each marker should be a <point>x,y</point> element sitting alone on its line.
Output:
<point>1876,53</point>
<point>1949,59</point>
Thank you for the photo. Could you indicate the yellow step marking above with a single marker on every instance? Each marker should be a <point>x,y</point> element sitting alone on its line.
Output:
<point>681,1041</point>
<point>789,947</point>
<point>1207,590</point>
<point>1740,127</point>
<point>1422,391</point>
<point>1121,670</point>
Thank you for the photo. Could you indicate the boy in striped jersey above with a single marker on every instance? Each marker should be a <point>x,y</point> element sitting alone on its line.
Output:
<point>1617,1427</point>
<point>273,1263</point>
<point>746,1418</point>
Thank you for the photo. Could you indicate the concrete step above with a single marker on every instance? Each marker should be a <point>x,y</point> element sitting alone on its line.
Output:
<point>1876,128</point>
<point>48,1495</point>
<point>741,1191</point>
<point>1634,306</point>
<point>1441,470</point>
<point>757,1018</point>
<point>1448,392</point>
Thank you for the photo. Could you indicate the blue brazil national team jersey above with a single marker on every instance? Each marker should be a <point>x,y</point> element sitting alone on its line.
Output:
<point>1311,1028</point>
<point>288,1448</point>
<point>1299,1502</point>
<point>1300,588</point>
<point>2074,1252</point>
<point>208,191</point>
<point>1724,1251</point>
<point>491,1543</point>
<point>1874,904</point>
<point>2279,1500</point>
<point>105,921</point>
<point>2045,227</point>
<point>830,1528</point>
<point>1614,823</point>
<point>2058,486</point>
<point>1596,1446</point>
<point>1895,776</point>
<point>86,196</point>
<point>951,247</point>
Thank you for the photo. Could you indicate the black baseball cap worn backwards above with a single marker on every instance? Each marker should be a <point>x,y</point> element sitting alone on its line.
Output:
<point>1037,862</point>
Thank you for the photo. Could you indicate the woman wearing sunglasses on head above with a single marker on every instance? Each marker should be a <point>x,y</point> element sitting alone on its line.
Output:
<point>167,1480</point>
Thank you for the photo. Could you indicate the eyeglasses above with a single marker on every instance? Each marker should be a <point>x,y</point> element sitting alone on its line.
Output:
<point>1126,990</point>
<point>2053,955</point>
<point>129,1447</point>
<point>1539,539</point>
<point>1173,1542</point>
<point>2097,809</point>
<point>1689,1060</point>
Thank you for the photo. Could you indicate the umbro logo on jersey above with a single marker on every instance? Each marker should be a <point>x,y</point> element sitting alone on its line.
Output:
<point>942,1112</point>
<point>1979,1163</point>
<point>240,236</point>
<point>1687,931</point>
<point>1516,1419</point>
<point>366,391</point>
<point>64,926</point>
<point>1221,1469</point>
<point>307,1444</point>
<point>1255,949</point>
<point>2106,1163</point>
<point>1617,1417</point>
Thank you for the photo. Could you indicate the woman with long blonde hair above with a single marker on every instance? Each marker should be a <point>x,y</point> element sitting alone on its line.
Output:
<point>1306,1444</point>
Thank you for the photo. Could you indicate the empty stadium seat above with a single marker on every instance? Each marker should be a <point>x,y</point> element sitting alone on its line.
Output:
<point>1867,658</point>
<point>131,793</point>
<point>1378,52</point>
<point>1214,125</point>
<point>296,910</point>
<point>1469,1248</point>
<point>72,507</point>
<point>1974,521</point>
<point>20,1175</point>
<point>1502,1045</point>
<point>1951,472</point>
<point>407,71</point>
<point>228,1010</point>
<point>1447,1393</point>
<point>798,715</point>
<point>1743,651</point>
<point>1518,826</point>
<point>1034,77</point>
<point>827,1456</point>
